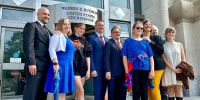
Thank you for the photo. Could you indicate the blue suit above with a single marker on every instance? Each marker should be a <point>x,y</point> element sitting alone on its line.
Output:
<point>113,64</point>
<point>96,60</point>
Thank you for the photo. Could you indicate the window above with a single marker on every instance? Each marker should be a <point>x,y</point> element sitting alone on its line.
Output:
<point>17,15</point>
<point>119,3</point>
<point>94,3</point>
<point>13,83</point>
<point>124,26</point>
<point>13,76</point>
<point>137,7</point>
<point>13,46</point>
<point>139,19</point>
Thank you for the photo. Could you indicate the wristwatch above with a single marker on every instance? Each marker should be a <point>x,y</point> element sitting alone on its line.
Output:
<point>55,63</point>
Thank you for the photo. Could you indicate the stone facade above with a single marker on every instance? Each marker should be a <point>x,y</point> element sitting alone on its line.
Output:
<point>184,15</point>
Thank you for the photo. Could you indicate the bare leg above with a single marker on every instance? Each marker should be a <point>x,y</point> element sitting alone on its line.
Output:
<point>178,91</point>
<point>79,88</point>
<point>106,96</point>
<point>62,96</point>
<point>83,80</point>
<point>171,90</point>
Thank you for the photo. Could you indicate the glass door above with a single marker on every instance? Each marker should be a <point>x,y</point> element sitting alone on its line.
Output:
<point>12,62</point>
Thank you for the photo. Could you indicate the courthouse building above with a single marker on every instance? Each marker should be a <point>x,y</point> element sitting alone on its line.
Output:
<point>184,15</point>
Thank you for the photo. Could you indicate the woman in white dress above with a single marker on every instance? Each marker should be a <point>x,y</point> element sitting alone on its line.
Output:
<point>173,55</point>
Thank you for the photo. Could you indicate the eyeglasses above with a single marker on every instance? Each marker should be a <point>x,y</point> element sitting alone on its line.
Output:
<point>117,32</point>
<point>141,28</point>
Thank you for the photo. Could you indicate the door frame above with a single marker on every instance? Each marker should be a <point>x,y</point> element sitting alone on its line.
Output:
<point>4,66</point>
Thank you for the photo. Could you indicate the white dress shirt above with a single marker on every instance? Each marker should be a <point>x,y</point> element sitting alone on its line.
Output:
<point>99,37</point>
<point>119,42</point>
<point>43,26</point>
<point>40,23</point>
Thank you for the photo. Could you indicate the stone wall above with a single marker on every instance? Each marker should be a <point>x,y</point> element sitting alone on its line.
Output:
<point>184,15</point>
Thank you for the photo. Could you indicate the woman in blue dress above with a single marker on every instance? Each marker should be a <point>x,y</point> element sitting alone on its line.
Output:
<point>61,50</point>
<point>138,62</point>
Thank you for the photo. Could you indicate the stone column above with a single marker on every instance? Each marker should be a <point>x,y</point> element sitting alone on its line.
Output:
<point>37,6</point>
<point>157,11</point>
<point>187,32</point>
<point>132,16</point>
<point>106,18</point>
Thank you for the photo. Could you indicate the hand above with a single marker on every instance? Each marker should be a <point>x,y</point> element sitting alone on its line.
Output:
<point>127,79</point>
<point>151,74</point>
<point>147,39</point>
<point>32,69</point>
<point>108,76</point>
<point>57,32</point>
<point>56,68</point>
<point>126,71</point>
<point>94,73</point>
<point>78,46</point>
<point>178,71</point>
<point>87,76</point>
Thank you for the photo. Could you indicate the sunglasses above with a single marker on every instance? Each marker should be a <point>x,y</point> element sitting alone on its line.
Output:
<point>139,28</point>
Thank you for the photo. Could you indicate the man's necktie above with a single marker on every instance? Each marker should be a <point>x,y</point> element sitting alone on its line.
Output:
<point>45,28</point>
<point>101,37</point>
<point>120,47</point>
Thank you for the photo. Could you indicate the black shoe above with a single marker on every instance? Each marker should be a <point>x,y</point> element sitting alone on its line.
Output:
<point>171,98</point>
<point>179,98</point>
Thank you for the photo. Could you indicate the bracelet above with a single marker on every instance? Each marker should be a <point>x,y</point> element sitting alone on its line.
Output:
<point>55,63</point>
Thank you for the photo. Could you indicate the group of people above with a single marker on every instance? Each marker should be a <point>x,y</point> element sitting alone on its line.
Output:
<point>141,58</point>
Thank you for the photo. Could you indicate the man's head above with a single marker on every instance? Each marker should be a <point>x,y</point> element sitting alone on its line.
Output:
<point>43,15</point>
<point>116,32</point>
<point>99,26</point>
<point>155,30</point>
<point>117,26</point>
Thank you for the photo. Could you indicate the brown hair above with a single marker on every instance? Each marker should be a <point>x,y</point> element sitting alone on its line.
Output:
<point>148,20</point>
<point>138,22</point>
<point>59,25</point>
<point>99,20</point>
<point>169,29</point>
<point>134,25</point>
<point>115,27</point>
<point>77,26</point>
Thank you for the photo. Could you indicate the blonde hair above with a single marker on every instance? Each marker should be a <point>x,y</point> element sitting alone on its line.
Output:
<point>169,29</point>
<point>59,26</point>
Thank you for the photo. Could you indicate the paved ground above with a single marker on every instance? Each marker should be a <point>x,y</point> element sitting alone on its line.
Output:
<point>128,98</point>
<point>185,98</point>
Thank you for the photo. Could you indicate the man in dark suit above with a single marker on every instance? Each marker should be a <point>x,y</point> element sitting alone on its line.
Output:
<point>114,66</point>
<point>97,41</point>
<point>35,46</point>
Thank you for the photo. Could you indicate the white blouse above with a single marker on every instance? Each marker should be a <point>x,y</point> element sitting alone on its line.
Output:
<point>57,43</point>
